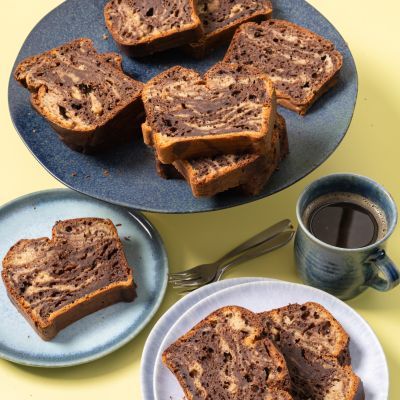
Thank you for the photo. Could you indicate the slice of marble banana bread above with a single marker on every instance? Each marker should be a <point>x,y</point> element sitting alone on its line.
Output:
<point>212,175</point>
<point>84,95</point>
<point>225,357</point>
<point>220,19</point>
<point>209,176</point>
<point>316,350</point>
<point>81,269</point>
<point>301,64</point>
<point>145,27</point>
<point>230,110</point>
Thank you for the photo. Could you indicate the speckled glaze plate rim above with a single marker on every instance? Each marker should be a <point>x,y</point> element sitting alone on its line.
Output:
<point>157,240</point>
<point>208,207</point>
<point>168,319</point>
<point>224,297</point>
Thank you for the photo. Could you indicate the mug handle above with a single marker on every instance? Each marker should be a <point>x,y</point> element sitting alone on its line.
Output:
<point>386,275</point>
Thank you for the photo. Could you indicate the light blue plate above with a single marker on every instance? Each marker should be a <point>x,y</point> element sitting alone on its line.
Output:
<point>165,323</point>
<point>100,333</point>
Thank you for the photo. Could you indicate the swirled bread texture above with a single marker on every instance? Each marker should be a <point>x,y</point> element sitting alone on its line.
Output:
<point>230,110</point>
<point>81,269</point>
<point>225,357</point>
<point>84,95</point>
<point>301,64</point>
<point>145,27</point>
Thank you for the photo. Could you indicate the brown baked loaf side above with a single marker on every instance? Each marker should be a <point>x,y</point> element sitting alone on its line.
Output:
<point>225,357</point>
<point>230,110</point>
<point>301,64</point>
<point>220,19</point>
<point>81,269</point>
<point>278,152</point>
<point>212,175</point>
<point>142,28</point>
<point>316,349</point>
<point>208,176</point>
<point>84,95</point>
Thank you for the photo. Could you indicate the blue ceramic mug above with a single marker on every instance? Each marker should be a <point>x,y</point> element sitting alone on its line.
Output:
<point>345,272</point>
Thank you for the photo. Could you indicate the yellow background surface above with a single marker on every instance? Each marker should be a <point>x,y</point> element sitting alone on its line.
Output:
<point>371,148</point>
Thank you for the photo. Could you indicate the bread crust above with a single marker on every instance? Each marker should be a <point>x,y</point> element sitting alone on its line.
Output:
<point>214,39</point>
<point>119,127</point>
<point>338,355</point>
<point>170,149</point>
<point>48,328</point>
<point>250,175</point>
<point>301,107</point>
<point>171,38</point>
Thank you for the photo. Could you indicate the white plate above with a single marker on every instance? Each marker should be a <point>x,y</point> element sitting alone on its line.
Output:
<point>164,324</point>
<point>368,359</point>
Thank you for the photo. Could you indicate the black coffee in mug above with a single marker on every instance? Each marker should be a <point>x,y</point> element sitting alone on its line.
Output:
<point>345,220</point>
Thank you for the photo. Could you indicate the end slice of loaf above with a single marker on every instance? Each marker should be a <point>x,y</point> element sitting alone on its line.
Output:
<point>81,269</point>
<point>84,95</point>
<point>225,357</point>
<point>220,19</point>
<point>230,110</point>
<point>301,64</point>
<point>316,349</point>
<point>145,27</point>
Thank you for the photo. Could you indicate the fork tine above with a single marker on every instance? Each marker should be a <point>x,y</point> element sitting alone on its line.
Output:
<point>183,273</point>
<point>195,282</point>
<point>188,278</point>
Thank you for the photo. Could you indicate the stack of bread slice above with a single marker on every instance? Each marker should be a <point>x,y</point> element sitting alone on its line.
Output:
<point>218,131</point>
<point>295,352</point>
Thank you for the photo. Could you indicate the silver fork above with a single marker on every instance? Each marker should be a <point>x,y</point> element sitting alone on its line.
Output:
<point>206,272</point>
<point>276,242</point>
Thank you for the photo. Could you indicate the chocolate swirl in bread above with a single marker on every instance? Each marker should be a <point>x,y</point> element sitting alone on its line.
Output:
<point>85,95</point>
<point>316,349</point>
<point>220,19</point>
<point>145,27</point>
<point>301,64</point>
<point>54,282</point>
<point>208,176</point>
<point>230,110</point>
<point>224,357</point>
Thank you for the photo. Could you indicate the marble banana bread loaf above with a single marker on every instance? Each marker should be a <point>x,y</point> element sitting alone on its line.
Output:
<point>225,357</point>
<point>301,64</point>
<point>84,95</point>
<point>220,19</point>
<point>144,27</point>
<point>250,172</point>
<point>230,110</point>
<point>81,269</point>
<point>316,350</point>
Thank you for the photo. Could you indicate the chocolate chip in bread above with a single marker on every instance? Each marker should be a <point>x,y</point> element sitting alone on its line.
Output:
<point>316,350</point>
<point>225,357</point>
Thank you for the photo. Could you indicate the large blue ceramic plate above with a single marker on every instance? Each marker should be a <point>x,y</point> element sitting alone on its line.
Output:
<point>106,330</point>
<point>132,180</point>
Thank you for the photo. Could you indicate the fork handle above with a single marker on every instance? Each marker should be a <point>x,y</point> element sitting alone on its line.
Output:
<point>275,243</point>
<point>261,237</point>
